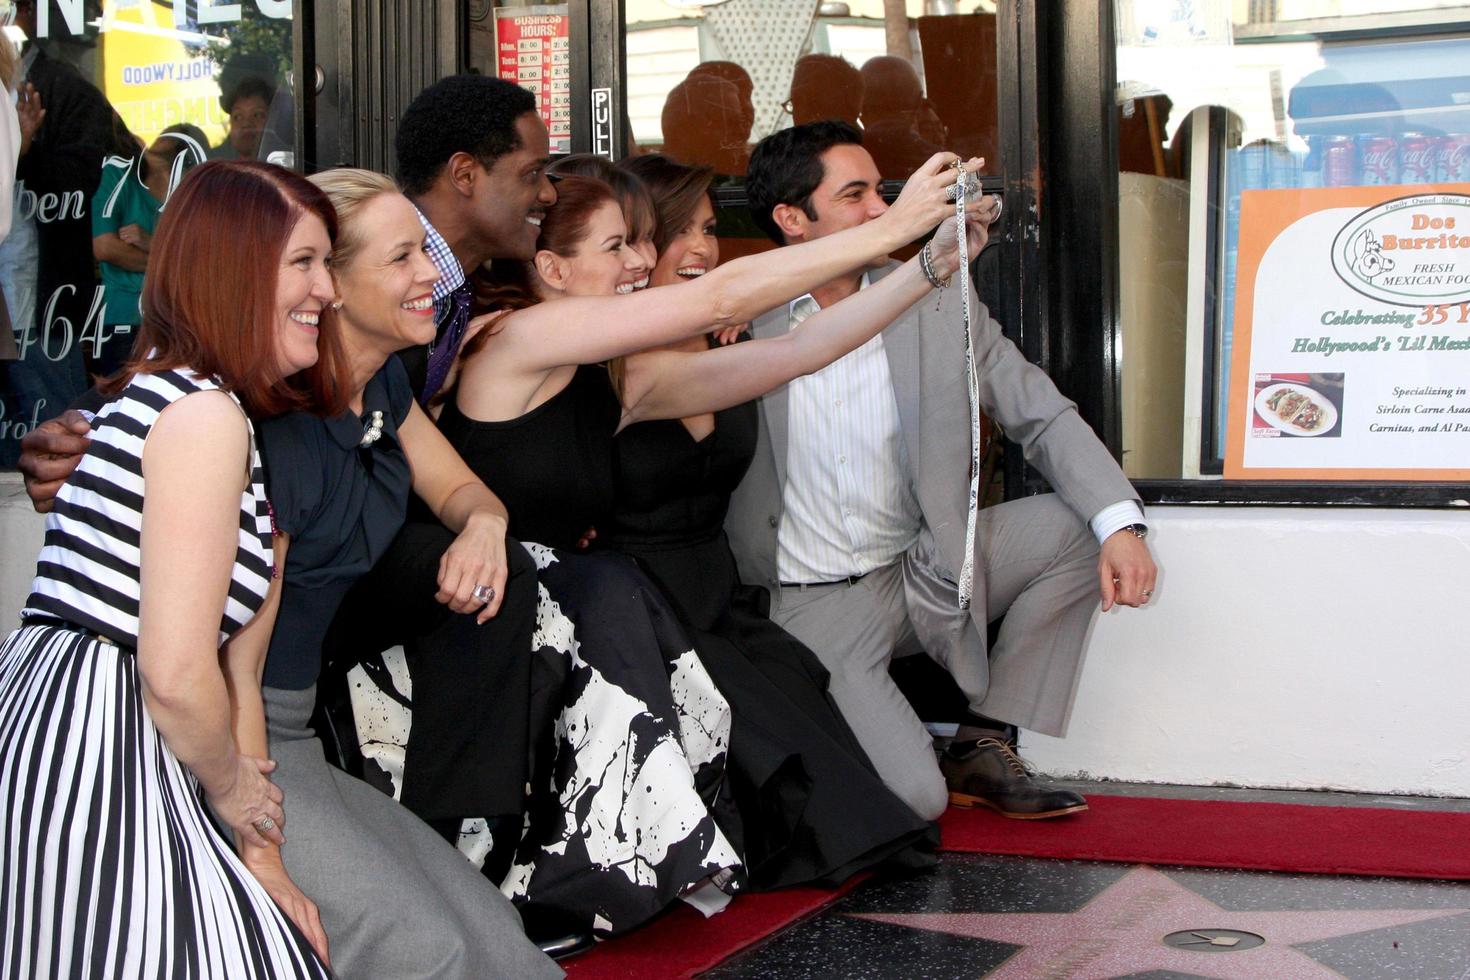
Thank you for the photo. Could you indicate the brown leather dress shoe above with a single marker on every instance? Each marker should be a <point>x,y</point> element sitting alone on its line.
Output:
<point>990,773</point>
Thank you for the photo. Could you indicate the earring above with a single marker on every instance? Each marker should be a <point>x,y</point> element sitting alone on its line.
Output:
<point>336,304</point>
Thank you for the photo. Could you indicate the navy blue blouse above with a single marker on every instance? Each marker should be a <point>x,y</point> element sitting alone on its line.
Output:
<point>342,504</point>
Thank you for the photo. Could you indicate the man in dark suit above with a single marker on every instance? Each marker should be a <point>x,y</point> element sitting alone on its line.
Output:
<point>853,512</point>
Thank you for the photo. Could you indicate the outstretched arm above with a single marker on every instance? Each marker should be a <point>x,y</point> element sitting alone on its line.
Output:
<point>587,329</point>
<point>466,506</point>
<point>674,384</point>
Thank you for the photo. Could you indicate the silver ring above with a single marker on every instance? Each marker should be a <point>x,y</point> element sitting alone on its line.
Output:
<point>485,593</point>
<point>971,184</point>
<point>264,825</point>
<point>1147,593</point>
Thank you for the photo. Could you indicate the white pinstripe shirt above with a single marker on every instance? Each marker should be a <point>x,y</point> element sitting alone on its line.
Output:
<point>848,506</point>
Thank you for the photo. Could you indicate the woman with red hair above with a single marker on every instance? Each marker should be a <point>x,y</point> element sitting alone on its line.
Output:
<point>148,618</point>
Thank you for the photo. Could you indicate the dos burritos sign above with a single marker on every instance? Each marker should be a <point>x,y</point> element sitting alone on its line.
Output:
<point>1411,251</point>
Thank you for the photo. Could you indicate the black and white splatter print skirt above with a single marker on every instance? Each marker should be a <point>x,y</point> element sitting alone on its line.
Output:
<point>618,818</point>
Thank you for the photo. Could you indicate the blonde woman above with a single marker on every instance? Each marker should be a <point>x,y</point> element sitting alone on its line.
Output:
<point>394,898</point>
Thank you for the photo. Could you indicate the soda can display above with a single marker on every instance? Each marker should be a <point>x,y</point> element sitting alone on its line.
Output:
<point>1418,155</point>
<point>1281,167</point>
<point>1452,163</point>
<point>1378,160</point>
<point>1255,167</point>
<point>1339,161</point>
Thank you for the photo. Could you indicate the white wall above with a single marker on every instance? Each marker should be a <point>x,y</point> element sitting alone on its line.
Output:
<point>1300,648</point>
<point>1285,647</point>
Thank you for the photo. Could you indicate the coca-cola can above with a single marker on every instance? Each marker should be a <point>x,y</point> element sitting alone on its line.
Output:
<point>1378,158</point>
<point>1417,158</point>
<point>1339,161</point>
<point>1452,164</point>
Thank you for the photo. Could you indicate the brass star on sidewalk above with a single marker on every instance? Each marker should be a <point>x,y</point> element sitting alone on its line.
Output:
<point>1120,931</point>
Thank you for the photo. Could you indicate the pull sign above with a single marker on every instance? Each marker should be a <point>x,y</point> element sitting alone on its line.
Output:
<point>602,122</point>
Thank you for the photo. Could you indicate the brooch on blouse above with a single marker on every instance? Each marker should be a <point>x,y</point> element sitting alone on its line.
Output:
<point>372,430</point>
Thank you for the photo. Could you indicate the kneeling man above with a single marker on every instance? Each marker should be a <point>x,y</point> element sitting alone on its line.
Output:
<point>853,513</point>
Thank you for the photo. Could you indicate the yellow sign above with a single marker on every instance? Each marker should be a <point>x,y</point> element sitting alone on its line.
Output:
<point>153,79</point>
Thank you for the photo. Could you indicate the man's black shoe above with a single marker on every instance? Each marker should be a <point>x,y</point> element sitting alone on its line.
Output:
<point>989,773</point>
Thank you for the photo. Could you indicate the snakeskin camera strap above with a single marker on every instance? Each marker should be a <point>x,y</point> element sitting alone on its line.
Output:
<point>967,566</point>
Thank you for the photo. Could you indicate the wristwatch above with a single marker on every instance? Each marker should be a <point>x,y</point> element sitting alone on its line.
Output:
<point>1140,531</point>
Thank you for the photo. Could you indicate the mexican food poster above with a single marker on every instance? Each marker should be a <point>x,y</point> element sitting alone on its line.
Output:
<point>1352,337</point>
<point>534,48</point>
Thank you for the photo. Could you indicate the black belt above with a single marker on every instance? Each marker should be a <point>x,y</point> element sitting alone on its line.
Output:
<point>53,622</point>
<point>850,580</point>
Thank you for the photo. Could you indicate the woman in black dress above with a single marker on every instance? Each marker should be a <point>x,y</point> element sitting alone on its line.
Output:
<point>541,434</point>
<point>811,808</point>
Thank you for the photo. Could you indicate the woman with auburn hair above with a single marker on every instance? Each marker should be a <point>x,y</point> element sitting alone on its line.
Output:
<point>395,899</point>
<point>633,197</point>
<point>148,618</point>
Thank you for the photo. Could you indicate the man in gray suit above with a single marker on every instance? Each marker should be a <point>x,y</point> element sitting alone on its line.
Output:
<point>853,512</point>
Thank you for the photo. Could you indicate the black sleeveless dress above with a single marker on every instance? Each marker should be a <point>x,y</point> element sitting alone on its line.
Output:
<point>811,807</point>
<point>619,823</point>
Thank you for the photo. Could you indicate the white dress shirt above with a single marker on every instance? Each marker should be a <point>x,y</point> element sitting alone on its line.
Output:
<point>848,505</point>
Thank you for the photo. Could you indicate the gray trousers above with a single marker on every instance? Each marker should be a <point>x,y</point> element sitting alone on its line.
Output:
<point>1037,563</point>
<point>396,900</point>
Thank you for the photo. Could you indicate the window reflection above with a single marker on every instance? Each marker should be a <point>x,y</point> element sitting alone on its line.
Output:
<point>116,102</point>
<point>706,83</point>
<point>1217,100</point>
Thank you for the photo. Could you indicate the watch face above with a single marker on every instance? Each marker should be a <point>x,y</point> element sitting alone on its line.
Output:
<point>1139,530</point>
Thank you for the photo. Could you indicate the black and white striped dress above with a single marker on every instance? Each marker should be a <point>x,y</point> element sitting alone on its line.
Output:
<point>109,866</point>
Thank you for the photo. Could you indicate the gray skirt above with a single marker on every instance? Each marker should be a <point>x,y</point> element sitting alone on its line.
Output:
<point>396,900</point>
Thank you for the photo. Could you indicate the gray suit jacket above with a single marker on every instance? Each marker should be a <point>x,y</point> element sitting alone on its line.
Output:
<point>925,348</point>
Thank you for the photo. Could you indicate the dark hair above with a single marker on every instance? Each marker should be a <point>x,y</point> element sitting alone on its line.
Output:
<point>677,190</point>
<point>786,168</point>
<point>235,215</point>
<point>245,88</point>
<point>507,285</point>
<point>634,196</point>
<point>473,114</point>
<point>196,148</point>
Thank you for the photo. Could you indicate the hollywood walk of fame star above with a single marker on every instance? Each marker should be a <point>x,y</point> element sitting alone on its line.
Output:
<point>1119,931</point>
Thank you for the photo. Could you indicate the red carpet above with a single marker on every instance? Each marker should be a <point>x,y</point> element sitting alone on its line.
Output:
<point>1220,834</point>
<point>683,942</point>
<point>1142,830</point>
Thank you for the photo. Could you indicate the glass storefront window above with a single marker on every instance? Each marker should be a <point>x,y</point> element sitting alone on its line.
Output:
<point>1294,253</point>
<point>134,92</point>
